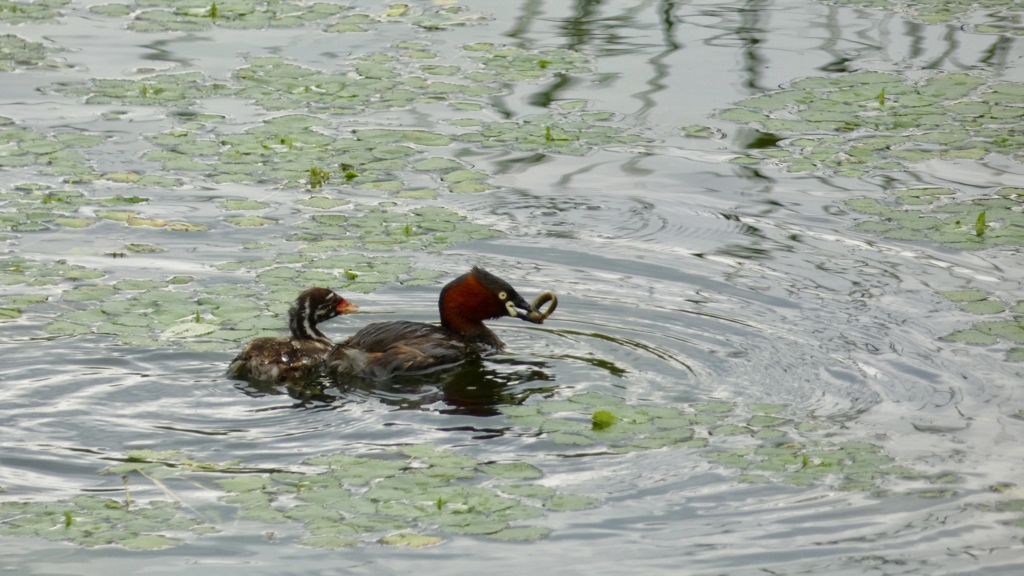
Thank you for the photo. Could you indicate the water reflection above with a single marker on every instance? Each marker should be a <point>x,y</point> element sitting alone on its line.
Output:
<point>474,388</point>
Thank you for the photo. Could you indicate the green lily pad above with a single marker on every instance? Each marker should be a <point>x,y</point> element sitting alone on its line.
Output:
<point>188,330</point>
<point>244,205</point>
<point>250,221</point>
<point>566,502</point>
<point>511,470</point>
<point>410,540</point>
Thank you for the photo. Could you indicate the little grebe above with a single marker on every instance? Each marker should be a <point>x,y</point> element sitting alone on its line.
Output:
<point>300,356</point>
<point>386,349</point>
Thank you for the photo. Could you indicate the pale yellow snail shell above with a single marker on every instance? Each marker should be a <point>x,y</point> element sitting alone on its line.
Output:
<point>540,315</point>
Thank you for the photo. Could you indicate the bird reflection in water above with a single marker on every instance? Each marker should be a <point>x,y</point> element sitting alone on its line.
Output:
<point>473,388</point>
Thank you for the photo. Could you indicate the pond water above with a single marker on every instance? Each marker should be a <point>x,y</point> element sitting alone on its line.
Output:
<point>785,237</point>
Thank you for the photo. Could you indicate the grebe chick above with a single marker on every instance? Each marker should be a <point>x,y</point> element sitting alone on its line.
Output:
<point>300,356</point>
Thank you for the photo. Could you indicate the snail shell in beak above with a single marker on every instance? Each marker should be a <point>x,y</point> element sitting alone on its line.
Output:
<point>539,314</point>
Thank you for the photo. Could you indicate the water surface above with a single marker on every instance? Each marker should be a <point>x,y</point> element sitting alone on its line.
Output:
<point>686,282</point>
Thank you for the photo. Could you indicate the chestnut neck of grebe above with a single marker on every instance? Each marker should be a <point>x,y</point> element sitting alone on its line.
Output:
<point>469,300</point>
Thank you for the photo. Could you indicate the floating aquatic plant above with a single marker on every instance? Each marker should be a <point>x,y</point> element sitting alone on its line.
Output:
<point>17,270</point>
<point>951,115</point>
<point>17,53</point>
<point>199,15</point>
<point>790,451</point>
<point>593,419</point>
<point>180,89</point>
<point>378,81</point>
<point>50,153</point>
<point>354,498</point>
<point>570,133</point>
<point>14,12</point>
<point>97,521</point>
<point>942,215</point>
<point>283,149</point>
<point>991,331</point>
<point>1001,12</point>
<point>414,495</point>
<point>38,209</point>
<point>174,311</point>
<point>500,63</point>
<point>318,177</point>
<point>387,226</point>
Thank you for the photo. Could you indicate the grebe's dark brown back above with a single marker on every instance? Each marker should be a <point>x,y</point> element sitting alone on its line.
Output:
<point>385,349</point>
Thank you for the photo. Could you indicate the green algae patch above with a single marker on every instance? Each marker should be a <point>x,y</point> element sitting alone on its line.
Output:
<point>408,496</point>
<point>966,295</point>
<point>951,11</point>
<point>557,133</point>
<point>97,521</point>
<point>762,442</point>
<point>947,217</point>
<point>410,540</point>
<point>200,15</point>
<point>499,63</point>
<point>988,306</point>
<point>178,89</point>
<point>244,205</point>
<point>250,221</point>
<point>992,332</point>
<point>381,81</point>
<point>602,419</point>
<point>387,227</point>
<point>282,150</point>
<point>511,470</point>
<point>54,153</point>
<point>16,53</point>
<point>864,122</point>
<point>574,422</point>
<point>13,12</point>
<point>571,502</point>
<point>40,209</point>
<point>178,312</point>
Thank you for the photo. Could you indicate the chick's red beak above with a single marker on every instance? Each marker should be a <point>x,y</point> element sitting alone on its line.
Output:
<point>346,307</point>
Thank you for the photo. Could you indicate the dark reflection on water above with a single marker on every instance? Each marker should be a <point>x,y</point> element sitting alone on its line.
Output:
<point>756,139</point>
<point>474,388</point>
